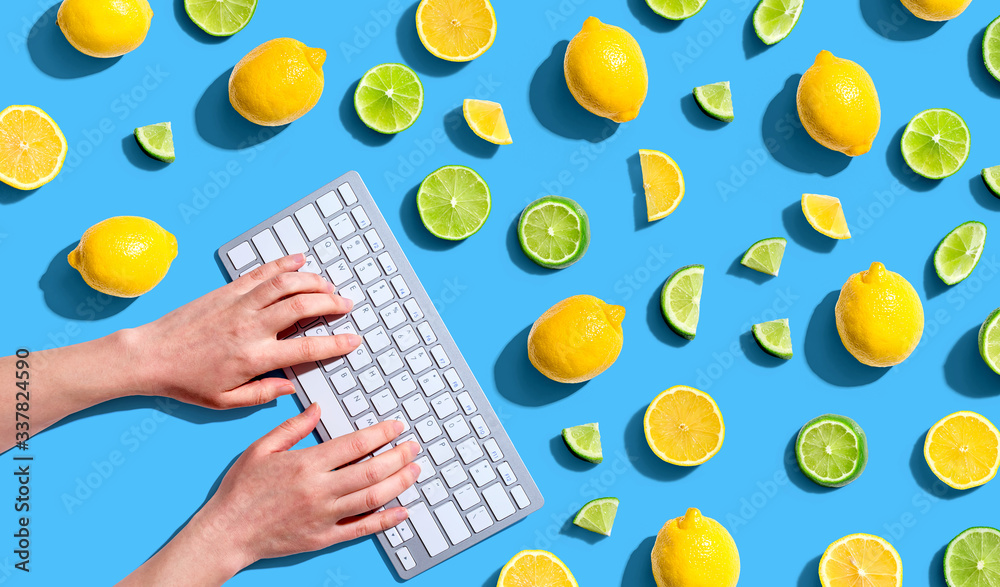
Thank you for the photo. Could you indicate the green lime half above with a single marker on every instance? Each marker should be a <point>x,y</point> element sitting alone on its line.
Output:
<point>716,100</point>
<point>765,255</point>
<point>157,141</point>
<point>454,202</point>
<point>389,98</point>
<point>598,515</point>
<point>584,441</point>
<point>989,340</point>
<point>773,20</point>
<point>959,252</point>
<point>554,232</point>
<point>774,338</point>
<point>680,300</point>
<point>832,450</point>
<point>220,18</point>
<point>936,143</point>
<point>972,559</point>
<point>991,177</point>
<point>676,9</point>
<point>991,48</point>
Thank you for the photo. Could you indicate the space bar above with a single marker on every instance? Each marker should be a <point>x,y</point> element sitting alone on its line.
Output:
<point>318,391</point>
<point>427,530</point>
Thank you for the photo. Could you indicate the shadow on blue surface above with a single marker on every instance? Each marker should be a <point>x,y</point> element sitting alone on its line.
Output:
<point>566,458</point>
<point>639,200</point>
<point>966,372</point>
<point>893,21</point>
<point>54,56</point>
<point>696,116</point>
<point>137,157</point>
<point>409,217</point>
<point>982,194</point>
<point>789,143</point>
<point>413,51</point>
<point>658,325</point>
<point>638,570</point>
<point>739,270</point>
<point>795,474</point>
<point>9,195</point>
<point>802,232</point>
<point>221,125</point>
<point>517,255</point>
<point>977,68</point>
<point>649,19</point>
<point>556,108</point>
<point>519,381</point>
<point>351,121</point>
<point>188,26</point>
<point>643,459</point>
<point>899,168</point>
<point>933,286</point>
<point>827,356</point>
<point>935,571</point>
<point>493,579</point>
<point>573,531</point>
<point>809,577</point>
<point>68,295</point>
<point>752,45</point>
<point>926,478</point>
<point>463,137</point>
<point>756,354</point>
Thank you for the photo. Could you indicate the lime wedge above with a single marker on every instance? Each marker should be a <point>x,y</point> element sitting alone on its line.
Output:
<point>716,100</point>
<point>765,255</point>
<point>936,143</point>
<point>220,18</point>
<point>832,450</point>
<point>680,300</point>
<point>959,252</point>
<point>598,515</point>
<point>774,338</point>
<point>584,441</point>
<point>991,177</point>
<point>453,202</point>
<point>989,340</point>
<point>676,9</point>
<point>157,141</point>
<point>773,20</point>
<point>389,98</point>
<point>554,232</point>
<point>991,48</point>
<point>972,559</point>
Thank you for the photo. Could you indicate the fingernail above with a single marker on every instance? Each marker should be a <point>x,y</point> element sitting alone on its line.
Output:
<point>298,258</point>
<point>353,340</point>
<point>312,408</point>
<point>329,287</point>
<point>397,427</point>
<point>402,514</point>
<point>414,468</point>
<point>350,303</point>
<point>287,388</point>
<point>412,447</point>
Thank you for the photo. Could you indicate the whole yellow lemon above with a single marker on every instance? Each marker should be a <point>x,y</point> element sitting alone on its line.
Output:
<point>105,28</point>
<point>605,71</point>
<point>879,317</point>
<point>838,105</point>
<point>936,9</point>
<point>277,82</point>
<point>576,339</point>
<point>695,551</point>
<point>124,256</point>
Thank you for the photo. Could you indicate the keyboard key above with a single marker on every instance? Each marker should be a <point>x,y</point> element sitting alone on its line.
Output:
<point>440,451</point>
<point>434,492</point>
<point>341,226</point>
<point>388,265</point>
<point>440,357</point>
<point>364,317</point>
<point>353,292</point>
<point>409,495</point>
<point>374,240</point>
<point>384,449</point>
<point>479,425</point>
<point>466,496</point>
<point>427,530</point>
<point>359,357</point>
<point>329,203</point>
<point>430,383</point>
<point>399,417</point>
<point>506,473</point>
<point>355,403</point>
<point>326,250</point>
<point>318,330</point>
<point>426,470</point>
<point>383,401</point>
<point>393,537</point>
<point>403,554</point>
<point>493,449</point>
<point>469,450</point>
<point>405,338</point>
<point>418,360</point>
<point>498,501</point>
<point>402,384</point>
<point>404,529</point>
<point>480,519</point>
<point>312,225</point>
<point>343,381</point>
<point>413,309</point>
<point>241,255</point>
<point>453,474</point>
<point>426,332</point>
<point>392,316</point>
<point>361,218</point>
<point>354,249</point>
<point>311,266</point>
<point>390,362</point>
<point>482,473</point>
<point>371,379</point>
<point>465,400</point>
<point>399,284</point>
<point>267,246</point>
<point>317,390</point>
<point>415,407</point>
<point>339,272</point>
<point>345,328</point>
<point>428,430</point>
<point>347,193</point>
<point>452,523</point>
<point>380,293</point>
<point>444,406</point>
<point>290,236</point>
<point>249,269</point>
<point>367,270</point>
<point>520,497</point>
<point>457,428</point>
<point>377,339</point>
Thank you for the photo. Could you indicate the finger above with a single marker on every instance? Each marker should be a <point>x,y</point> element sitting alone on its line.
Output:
<point>291,431</point>
<point>280,315</point>
<point>304,349</point>
<point>361,475</point>
<point>351,447</point>
<point>267,271</point>
<point>255,393</point>
<point>358,526</point>
<point>283,285</point>
<point>376,496</point>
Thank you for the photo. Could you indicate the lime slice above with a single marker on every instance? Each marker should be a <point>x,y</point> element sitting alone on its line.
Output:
<point>972,559</point>
<point>991,48</point>
<point>453,202</point>
<point>676,9</point>
<point>959,252</point>
<point>598,515</point>
<point>716,100</point>
<point>832,450</point>
<point>765,255</point>
<point>936,143</point>
<point>680,300</point>
<point>989,340</point>
<point>773,20</point>
<point>157,141</point>
<point>991,177</point>
<point>220,18</point>
<point>584,441</point>
<point>774,338</point>
<point>389,98</point>
<point>554,232</point>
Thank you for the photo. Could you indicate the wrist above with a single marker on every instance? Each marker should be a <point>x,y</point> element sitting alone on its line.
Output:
<point>220,538</point>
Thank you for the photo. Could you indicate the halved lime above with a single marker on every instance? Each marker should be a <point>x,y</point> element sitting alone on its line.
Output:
<point>774,338</point>
<point>765,255</point>
<point>584,441</point>
<point>598,515</point>
<point>936,143</point>
<point>716,100</point>
<point>773,20</point>
<point>959,252</point>
<point>389,98</point>
<point>676,9</point>
<point>220,18</point>
<point>554,232</point>
<point>832,450</point>
<point>972,559</point>
<point>680,300</point>
<point>991,177</point>
<point>989,340</point>
<point>157,141</point>
<point>991,48</point>
<point>453,202</point>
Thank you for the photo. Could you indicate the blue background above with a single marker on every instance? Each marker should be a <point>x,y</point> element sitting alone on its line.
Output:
<point>744,181</point>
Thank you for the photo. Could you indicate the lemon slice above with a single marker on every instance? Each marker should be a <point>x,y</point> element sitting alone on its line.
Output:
<point>826,215</point>
<point>535,568</point>
<point>861,560</point>
<point>961,449</point>
<point>32,148</point>
<point>683,426</point>
<point>663,183</point>
<point>456,30</point>
<point>487,121</point>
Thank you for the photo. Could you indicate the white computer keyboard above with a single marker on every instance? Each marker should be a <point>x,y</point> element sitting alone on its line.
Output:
<point>472,482</point>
